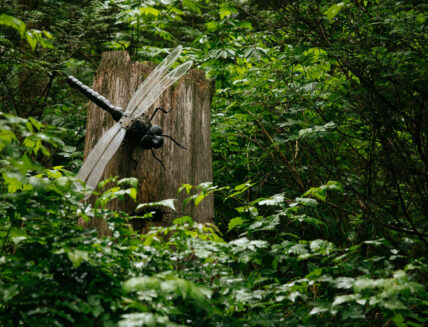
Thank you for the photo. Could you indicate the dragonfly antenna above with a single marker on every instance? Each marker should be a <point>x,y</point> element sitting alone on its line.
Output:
<point>172,139</point>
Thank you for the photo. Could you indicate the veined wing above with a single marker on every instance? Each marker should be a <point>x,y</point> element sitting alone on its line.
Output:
<point>101,164</point>
<point>100,155</point>
<point>155,76</point>
<point>162,85</point>
<point>96,152</point>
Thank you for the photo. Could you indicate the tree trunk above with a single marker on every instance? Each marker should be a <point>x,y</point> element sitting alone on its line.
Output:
<point>33,84</point>
<point>189,123</point>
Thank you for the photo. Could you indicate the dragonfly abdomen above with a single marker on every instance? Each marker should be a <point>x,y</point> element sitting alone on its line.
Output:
<point>95,97</point>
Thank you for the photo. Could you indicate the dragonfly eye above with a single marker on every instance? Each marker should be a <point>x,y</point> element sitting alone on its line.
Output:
<point>151,141</point>
<point>157,142</point>
<point>155,130</point>
<point>146,141</point>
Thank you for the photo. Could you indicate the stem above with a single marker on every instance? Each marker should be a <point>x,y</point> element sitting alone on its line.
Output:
<point>7,235</point>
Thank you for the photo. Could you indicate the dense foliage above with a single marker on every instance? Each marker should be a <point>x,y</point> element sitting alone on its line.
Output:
<point>320,145</point>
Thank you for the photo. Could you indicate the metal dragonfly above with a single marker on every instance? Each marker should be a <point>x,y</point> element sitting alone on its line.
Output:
<point>129,120</point>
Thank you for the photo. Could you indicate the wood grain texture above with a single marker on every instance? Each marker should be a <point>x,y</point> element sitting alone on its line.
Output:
<point>189,123</point>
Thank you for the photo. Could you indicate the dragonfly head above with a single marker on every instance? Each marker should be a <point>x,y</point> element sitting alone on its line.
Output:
<point>153,139</point>
<point>155,130</point>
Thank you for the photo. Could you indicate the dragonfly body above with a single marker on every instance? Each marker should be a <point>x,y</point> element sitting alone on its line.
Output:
<point>129,121</point>
<point>95,97</point>
<point>140,126</point>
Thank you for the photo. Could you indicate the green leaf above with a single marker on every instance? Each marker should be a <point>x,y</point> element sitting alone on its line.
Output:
<point>8,293</point>
<point>191,5</point>
<point>306,202</point>
<point>240,189</point>
<point>77,257</point>
<point>344,282</point>
<point>399,320</point>
<point>334,186</point>
<point>245,24</point>
<point>141,284</point>
<point>252,210</point>
<point>299,249</point>
<point>343,299</point>
<point>311,221</point>
<point>333,10</point>
<point>317,192</point>
<point>234,222</point>
<point>15,182</point>
<point>133,194</point>
<point>183,220</point>
<point>212,26</point>
<point>199,198</point>
<point>166,203</point>
<point>277,199</point>
<point>32,41</point>
<point>149,11</point>
<point>226,11</point>
<point>131,181</point>
<point>6,137</point>
<point>13,22</point>
<point>140,319</point>
<point>319,309</point>
<point>103,183</point>
<point>186,187</point>
<point>38,125</point>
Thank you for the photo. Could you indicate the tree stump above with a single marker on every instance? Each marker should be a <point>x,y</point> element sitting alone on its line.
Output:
<point>189,123</point>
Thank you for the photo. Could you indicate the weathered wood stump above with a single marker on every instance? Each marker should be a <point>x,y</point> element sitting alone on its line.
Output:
<point>189,123</point>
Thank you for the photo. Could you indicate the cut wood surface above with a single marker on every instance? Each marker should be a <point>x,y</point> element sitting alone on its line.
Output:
<point>189,123</point>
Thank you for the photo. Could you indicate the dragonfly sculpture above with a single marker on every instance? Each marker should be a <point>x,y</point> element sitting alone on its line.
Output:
<point>129,120</point>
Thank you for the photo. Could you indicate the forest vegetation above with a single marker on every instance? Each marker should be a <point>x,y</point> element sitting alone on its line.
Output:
<point>320,155</point>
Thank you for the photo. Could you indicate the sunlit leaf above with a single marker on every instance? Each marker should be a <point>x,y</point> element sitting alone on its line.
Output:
<point>183,220</point>
<point>234,222</point>
<point>166,203</point>
<point>333,10</point>
<point>13,22</point>
<point>77,257</point>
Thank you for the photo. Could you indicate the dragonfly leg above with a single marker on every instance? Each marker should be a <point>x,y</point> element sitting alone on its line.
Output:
<point>171,138</point>
<point>132,159</point>
<point>157,159</point>
<point>160,109</point>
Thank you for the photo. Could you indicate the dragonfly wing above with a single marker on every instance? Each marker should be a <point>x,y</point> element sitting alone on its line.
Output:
<point>96,153</point>
<point>162,85</point>
<point>101,164</point>
<point>156,75</point>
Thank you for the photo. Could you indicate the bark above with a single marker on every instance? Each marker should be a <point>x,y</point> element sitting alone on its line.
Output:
<point>189,123</point>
